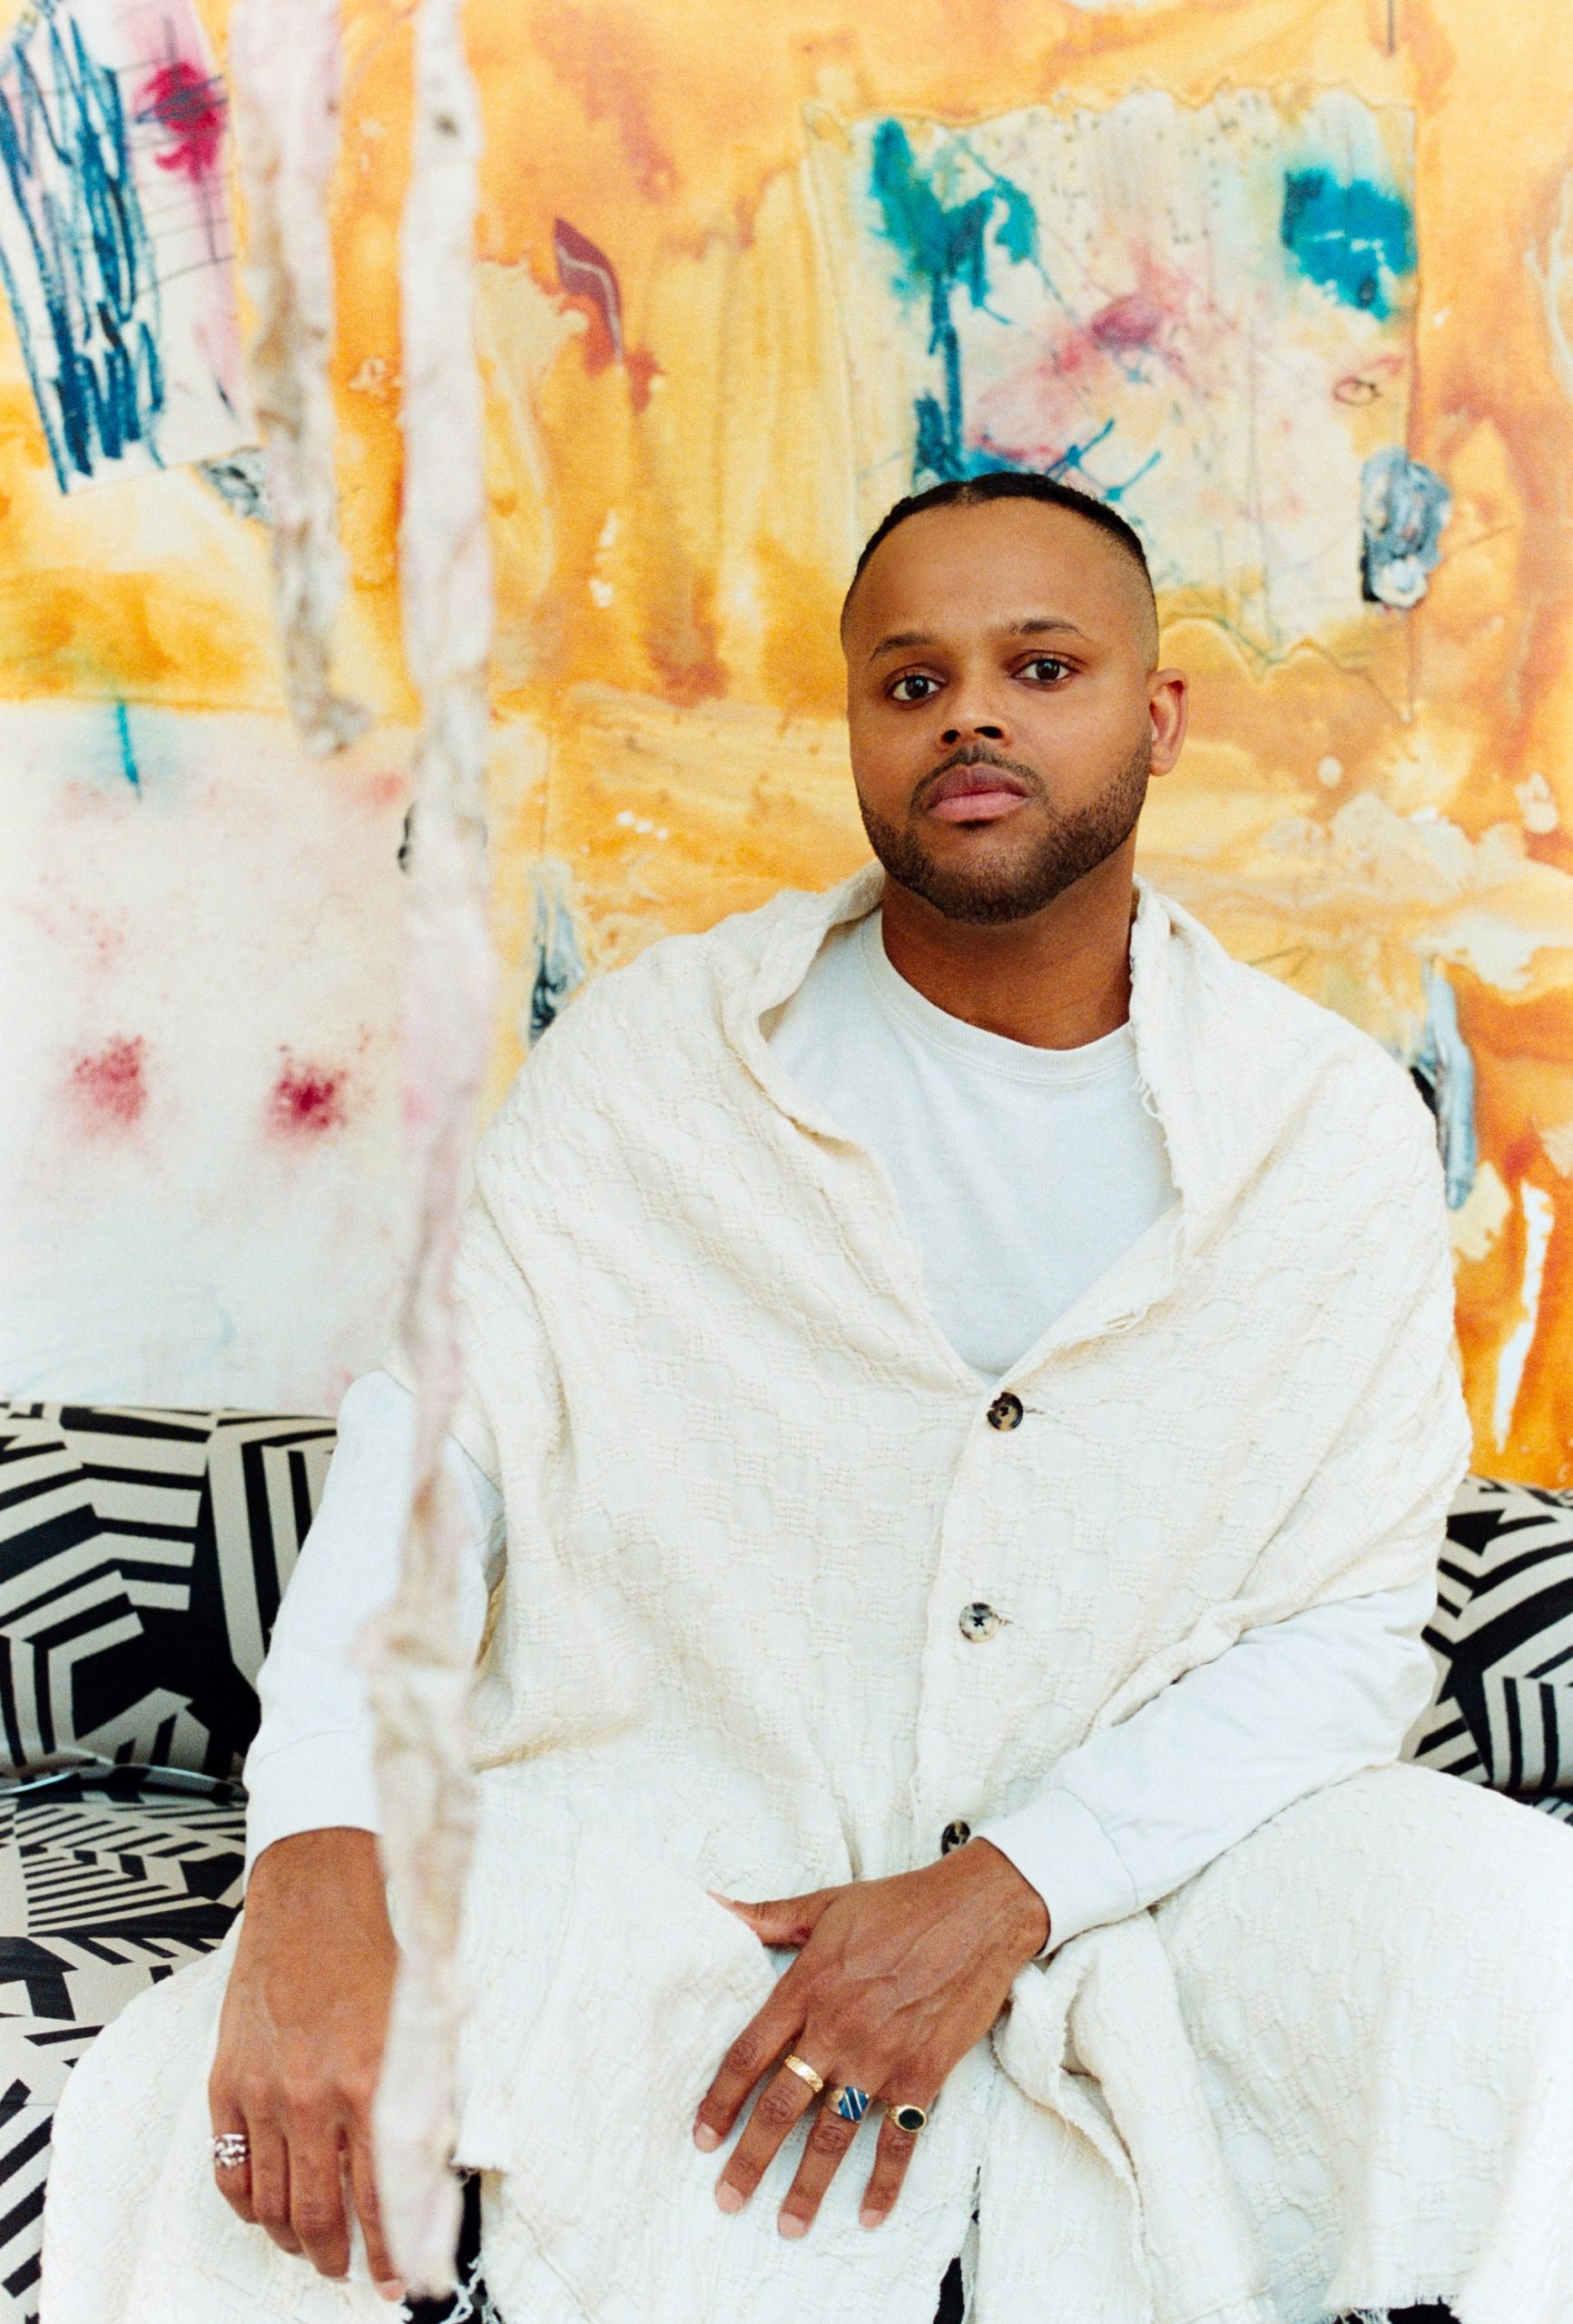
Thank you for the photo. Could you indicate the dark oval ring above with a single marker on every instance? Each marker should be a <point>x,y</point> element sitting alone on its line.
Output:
<point>910,2119</point>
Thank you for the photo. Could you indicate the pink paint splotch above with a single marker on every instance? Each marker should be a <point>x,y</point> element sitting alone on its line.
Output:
<point>109,1086</point>
<point>1162,326</point>
<point>307,1101</point>
<point>188,104</point>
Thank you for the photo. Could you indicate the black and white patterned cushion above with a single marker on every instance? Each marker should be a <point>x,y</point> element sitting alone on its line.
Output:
<point>1502,1637</point>
<point>107,1884</point>
<point>142,1556</point>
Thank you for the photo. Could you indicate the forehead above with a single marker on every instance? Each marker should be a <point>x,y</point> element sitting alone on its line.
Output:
<point>993,561</point>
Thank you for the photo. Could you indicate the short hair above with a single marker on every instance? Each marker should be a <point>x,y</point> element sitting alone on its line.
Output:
<point>1007,484</point>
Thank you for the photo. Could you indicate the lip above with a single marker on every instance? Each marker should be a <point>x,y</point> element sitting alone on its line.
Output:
<point>976,794</point>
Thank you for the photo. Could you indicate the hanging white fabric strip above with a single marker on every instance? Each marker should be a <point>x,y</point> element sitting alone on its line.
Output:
<point>421,1657</point>
<point>285,90</point>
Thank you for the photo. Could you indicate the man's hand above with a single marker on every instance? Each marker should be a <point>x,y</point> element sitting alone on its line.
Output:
<point>895,1982</point>
<point>301,2045</point>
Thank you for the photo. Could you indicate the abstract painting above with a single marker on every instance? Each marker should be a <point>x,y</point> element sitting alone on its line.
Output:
<point>115,244</point>
<point>1292,283</point>
<point>1204,315</point>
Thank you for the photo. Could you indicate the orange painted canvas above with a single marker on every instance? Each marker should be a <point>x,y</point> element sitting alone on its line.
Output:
<point>1292,281</point>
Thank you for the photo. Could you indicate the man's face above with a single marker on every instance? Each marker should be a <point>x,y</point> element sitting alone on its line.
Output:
<point>1003,710</point>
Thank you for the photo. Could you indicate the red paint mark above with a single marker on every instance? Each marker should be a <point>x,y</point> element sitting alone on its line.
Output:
<point>1126,324</point>
<point>190,105</point>
<point>587,276</point>
<point>307,1100</point>
<point>109,1086</point>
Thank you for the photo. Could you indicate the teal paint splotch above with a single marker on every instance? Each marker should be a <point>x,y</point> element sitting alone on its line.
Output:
<point>943,250</point>
<point>1355,239</point>
<point>128,765</point>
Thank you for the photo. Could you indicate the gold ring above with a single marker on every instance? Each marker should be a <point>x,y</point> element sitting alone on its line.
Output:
<point>804,2072</point>
<point>909,2119</point>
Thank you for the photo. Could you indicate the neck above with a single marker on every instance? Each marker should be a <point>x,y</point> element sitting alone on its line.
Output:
<point>1054,981</point>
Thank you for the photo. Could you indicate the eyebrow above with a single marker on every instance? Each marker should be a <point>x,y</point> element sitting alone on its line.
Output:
<point>900,641</point>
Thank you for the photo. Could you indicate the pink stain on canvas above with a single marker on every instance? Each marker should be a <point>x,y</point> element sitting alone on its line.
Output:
<point>307,1100</point>
<point>110,1086</point>
<point>188,104</point>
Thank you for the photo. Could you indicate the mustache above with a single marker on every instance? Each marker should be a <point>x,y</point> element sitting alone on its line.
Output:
<point>977,754</point>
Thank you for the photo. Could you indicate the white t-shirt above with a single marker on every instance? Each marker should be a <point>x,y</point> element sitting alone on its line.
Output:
<point>1022,1174</point>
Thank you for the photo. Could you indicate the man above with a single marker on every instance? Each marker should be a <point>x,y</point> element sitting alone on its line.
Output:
<point>959,1422</point>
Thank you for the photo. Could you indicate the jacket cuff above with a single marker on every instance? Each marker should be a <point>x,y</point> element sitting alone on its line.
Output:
<point>1060,1846</point>
<point>307,1786</point>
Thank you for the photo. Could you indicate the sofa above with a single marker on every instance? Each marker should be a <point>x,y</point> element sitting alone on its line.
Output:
<point>142,1557</point>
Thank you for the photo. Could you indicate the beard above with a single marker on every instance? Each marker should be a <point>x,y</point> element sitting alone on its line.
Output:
<point>1068,849</point>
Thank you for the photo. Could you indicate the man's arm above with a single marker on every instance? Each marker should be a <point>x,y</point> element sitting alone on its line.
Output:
<point>1140,1808</point>
<point>305,2012</point>
<point>309,1767</point>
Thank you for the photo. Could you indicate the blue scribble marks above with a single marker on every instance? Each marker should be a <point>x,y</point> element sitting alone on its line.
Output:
<point>1355,239</point>
<point>64,148</point>
<point>1445,1072</point>
<point>559,965</point>
<point>128,765</point>
<point>943,246</point>
<point>1403,506</point>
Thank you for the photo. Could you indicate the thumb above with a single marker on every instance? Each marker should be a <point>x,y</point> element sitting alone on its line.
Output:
<point>788,1920</point>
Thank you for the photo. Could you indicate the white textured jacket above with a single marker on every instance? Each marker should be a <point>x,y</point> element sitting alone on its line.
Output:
<point>749,1489</point>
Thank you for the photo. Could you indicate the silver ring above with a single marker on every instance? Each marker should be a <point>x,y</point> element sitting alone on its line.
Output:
<point>232,2150</point>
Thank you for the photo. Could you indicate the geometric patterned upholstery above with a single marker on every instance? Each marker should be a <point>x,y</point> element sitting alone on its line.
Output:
<point>1502,1638</point>
<point>142,1557</point>
<point>108,1882</point>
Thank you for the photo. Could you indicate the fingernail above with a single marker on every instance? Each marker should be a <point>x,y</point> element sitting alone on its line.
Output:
<point>870,2219</point>
<point>730,2198</point>
<point>705,2139</point>
<point>389,2287</point>
<point>791,2226</point>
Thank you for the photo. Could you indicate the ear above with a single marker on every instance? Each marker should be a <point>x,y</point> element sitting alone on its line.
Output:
<point>1168,707</point>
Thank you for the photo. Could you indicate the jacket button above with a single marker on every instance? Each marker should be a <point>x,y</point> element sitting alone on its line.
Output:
<point>954,1836</point>
<point>1005,1411</point>
<point>980,1621</point>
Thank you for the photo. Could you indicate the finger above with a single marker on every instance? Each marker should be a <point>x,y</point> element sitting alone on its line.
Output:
<point>271,2185</point>
<point>764,2040</point>
<point>788,1920</point>
<point>317,2199</point>
<point>821,2157</point>
<point>892,2157</point>
<point>233,2180</point>
<point>777,2110</point>
<point>369,2212</point>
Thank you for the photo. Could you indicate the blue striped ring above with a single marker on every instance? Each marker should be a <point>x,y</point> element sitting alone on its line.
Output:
<point>850,2105</point>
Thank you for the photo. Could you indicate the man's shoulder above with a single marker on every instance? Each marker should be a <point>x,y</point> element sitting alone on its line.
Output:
<point>1274,1026</point>
<point>1271,1070</point>
<point>662,1016</point>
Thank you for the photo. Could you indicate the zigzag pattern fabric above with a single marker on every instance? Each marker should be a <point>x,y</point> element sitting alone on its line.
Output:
<point>1502,1637</point>
<point>107,1884</point>
<point>142,1557</point>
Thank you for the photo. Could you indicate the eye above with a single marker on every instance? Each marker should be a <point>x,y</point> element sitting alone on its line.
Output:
<point>913,678</point>
<point>1045,669</point>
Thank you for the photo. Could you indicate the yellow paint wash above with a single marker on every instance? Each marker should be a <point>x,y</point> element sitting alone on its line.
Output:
<point>676,508</point>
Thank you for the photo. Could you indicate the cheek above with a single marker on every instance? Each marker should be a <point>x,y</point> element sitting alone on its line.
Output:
<point>888,757</point>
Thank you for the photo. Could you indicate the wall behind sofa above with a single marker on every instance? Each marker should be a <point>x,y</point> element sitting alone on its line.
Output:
<point>1289,279</point>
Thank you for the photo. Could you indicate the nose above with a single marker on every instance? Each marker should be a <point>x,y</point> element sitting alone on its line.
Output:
<point>974,713</point>
<point>975,730</point>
